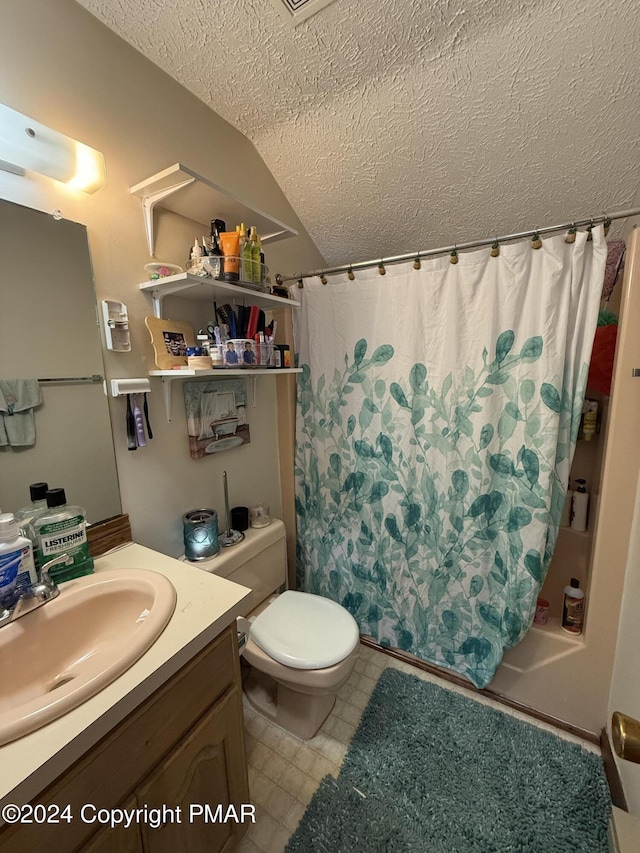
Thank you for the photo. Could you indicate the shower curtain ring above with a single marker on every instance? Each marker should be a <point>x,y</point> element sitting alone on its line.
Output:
<point>454,255</point>
<point>416,262</point>
<point>589,229</point>
<point>606,223</point>
<point>495,248</point>
<point>536,242</point>
<point>381,268</point>
<point>323,278</point>
<point>300,283</point>
<point>350,274</point>
<point>571,234</point>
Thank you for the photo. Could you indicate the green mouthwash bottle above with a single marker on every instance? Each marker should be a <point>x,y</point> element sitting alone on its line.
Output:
<point>26,515</point>
<point>62,529</point>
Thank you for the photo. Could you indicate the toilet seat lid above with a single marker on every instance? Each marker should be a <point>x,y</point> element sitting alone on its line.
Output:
<point>305,631</point>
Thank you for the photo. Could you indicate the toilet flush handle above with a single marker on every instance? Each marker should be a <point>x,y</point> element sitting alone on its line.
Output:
<point>243,627</point>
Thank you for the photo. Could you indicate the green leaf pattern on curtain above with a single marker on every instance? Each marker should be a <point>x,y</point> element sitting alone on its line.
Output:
<point>434,517</point>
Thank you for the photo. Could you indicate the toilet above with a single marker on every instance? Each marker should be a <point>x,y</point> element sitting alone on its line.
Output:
<point>301,647</point>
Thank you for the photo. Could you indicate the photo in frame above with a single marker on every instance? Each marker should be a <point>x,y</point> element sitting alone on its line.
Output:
<point>170,339</point>
<point>216,416</point>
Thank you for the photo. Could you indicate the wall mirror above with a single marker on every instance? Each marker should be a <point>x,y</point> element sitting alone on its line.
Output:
<point>49,331</point>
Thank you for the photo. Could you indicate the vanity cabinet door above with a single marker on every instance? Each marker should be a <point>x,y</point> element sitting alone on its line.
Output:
<point>205,771</point>
<point>122,840</point>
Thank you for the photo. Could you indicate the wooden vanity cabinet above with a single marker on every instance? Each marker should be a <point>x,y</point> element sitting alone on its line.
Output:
<point>183,746</point>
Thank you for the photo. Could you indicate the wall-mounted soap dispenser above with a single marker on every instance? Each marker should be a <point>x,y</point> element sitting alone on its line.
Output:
<point>116,326</point>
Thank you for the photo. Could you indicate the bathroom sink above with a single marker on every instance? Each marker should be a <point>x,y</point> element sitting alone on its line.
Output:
<point>58,656</point>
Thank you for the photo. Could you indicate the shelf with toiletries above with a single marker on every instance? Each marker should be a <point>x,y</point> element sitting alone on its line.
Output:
<point>194,196</point>
<point>210,290</point>
<point>169,376</point>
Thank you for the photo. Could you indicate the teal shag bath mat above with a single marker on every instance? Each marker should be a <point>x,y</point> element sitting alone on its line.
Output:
<point>430,771</point>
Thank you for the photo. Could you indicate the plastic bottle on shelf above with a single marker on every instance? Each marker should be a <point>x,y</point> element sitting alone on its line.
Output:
<point>589,419</point>
<point>244,253</point>
<point>565,520</point>
<point>215,255</point>
<point>573,608</point>
<point>258,257</point>
<point>579,507</point>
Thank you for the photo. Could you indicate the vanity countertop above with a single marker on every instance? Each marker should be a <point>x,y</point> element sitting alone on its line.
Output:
<point>206,604</point>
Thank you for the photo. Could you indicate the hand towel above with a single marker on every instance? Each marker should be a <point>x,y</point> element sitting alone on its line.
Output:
<point>18,398</point>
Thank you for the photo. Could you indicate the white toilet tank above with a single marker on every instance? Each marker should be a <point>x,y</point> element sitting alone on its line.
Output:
<point>260,563</point>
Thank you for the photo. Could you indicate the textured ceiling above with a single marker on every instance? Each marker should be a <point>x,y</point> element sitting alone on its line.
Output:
<point>401,125</point>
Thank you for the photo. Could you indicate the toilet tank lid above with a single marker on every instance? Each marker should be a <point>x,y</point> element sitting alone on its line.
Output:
<point>305,631</point>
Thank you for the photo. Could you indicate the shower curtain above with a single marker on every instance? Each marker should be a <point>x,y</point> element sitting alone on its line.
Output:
<point>437,416</point>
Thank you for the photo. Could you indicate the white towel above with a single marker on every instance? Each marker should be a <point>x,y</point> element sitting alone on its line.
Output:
<point>18,398</point>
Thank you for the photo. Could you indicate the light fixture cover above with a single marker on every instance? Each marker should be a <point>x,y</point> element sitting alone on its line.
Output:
<point>27,144</point>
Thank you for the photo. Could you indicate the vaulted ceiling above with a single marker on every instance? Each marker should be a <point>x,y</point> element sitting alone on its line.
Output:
<point>400,125</point>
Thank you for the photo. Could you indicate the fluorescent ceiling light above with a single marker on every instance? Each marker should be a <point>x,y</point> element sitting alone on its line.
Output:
<point>28,145</point>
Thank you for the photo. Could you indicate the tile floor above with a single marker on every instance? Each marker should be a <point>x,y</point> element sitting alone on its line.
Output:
<point>285,771</point>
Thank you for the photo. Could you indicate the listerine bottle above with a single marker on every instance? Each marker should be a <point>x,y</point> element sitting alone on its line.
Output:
<point>26,515</point>
<point>62,529</point>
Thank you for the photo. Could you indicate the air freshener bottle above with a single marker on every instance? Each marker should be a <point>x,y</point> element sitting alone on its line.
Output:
<point>573,608</point>
<point>579,507</point>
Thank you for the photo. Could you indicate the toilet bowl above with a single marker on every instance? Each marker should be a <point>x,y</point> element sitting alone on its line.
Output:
<point>301,647</point>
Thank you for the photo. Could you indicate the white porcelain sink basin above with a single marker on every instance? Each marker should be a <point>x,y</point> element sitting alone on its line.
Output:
<point>58,656</point>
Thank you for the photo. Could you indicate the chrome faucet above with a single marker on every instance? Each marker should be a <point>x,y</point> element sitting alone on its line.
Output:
<point>37,594</point>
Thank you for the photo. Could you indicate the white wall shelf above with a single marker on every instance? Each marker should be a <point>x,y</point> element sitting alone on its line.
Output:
<point>210,290</point>
<point>195,197</point>
<point>169,376</point>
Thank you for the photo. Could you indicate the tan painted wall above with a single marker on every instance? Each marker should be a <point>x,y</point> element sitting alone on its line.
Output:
<point>62,67</point>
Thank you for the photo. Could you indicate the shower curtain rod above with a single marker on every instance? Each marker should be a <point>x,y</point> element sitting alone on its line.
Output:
<point>474,244</point>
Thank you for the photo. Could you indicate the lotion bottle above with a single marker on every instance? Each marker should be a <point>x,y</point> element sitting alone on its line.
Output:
<point>573,608</point>
<point>580,505</point>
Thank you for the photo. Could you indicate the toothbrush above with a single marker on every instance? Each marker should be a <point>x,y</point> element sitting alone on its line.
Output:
<point>137,414</point>
<point>146,415</point>
<point>131,427</point>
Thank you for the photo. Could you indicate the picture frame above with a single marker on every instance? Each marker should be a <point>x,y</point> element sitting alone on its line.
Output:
<point>170,339</point>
